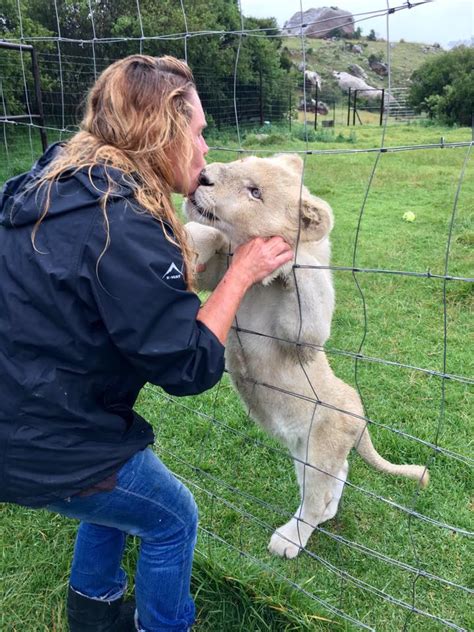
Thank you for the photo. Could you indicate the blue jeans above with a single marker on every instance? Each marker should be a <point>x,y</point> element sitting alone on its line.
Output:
<point>150,503</point>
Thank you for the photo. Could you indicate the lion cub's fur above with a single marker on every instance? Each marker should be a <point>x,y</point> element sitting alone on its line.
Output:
<point>281,370</point>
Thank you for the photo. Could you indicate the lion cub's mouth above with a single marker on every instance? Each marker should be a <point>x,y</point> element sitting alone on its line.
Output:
<point>204,212</point>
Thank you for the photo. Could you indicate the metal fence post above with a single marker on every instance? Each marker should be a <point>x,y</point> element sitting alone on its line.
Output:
<point>349,108</point>
<point>290,105</point>
<point>39,99</point>
<point>316,107</point>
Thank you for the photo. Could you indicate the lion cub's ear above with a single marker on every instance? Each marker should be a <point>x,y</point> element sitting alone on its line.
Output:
<point>316,218</point>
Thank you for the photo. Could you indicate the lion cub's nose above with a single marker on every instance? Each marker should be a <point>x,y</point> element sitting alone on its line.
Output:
<point>203,179</point>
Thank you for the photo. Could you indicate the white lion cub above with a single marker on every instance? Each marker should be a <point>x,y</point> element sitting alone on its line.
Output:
<point>274,353</point>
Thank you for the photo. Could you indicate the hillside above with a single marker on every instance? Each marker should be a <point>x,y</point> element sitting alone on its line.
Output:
<point>326,55</point>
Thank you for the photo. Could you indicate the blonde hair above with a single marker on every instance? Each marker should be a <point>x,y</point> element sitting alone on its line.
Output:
<point>137,116</point>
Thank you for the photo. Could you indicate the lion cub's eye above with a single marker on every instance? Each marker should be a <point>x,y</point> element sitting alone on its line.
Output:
<point>255,193</point>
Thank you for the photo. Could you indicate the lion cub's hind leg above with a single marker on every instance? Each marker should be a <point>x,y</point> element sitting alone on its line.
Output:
<point>336,493</point>
<point>321,476</point>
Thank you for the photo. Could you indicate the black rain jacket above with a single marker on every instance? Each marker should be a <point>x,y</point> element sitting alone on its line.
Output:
<point>82,329</point>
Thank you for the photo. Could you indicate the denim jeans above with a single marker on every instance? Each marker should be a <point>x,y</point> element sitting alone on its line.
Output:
<point>150,503</point>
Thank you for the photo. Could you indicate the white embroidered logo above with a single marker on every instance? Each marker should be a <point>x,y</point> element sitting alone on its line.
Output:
<point>173,272</point>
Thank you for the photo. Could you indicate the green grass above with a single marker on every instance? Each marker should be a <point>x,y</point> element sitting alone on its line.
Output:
<point>244,482</point>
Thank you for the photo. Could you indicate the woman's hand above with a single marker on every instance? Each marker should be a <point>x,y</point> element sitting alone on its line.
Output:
<point>251,263</point>
<point>259,257</point>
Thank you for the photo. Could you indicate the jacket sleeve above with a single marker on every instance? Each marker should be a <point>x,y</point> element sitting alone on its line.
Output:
<point>138,287</point>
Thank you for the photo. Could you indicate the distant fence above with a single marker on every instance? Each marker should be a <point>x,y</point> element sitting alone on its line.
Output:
<point>401,108</point>
<point>60,85</point>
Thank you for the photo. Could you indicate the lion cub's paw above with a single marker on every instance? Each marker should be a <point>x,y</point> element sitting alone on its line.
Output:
<point>288,540</point>
<point>206,240</point>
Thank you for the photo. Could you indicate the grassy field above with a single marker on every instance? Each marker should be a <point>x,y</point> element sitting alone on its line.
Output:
<point>244,482</point>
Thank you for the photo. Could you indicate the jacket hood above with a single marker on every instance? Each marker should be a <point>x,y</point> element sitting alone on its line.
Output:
<point>21,203</point>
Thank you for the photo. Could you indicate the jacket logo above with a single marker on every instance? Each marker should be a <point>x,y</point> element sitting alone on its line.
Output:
<point>173,272</point>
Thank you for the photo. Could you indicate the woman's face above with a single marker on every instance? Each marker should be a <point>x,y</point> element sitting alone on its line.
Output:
<point>187,183</point>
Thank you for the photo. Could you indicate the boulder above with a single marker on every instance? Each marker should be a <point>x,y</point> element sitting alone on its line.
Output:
<point>313,78</point>
<point>379,67</point>
<point>357,49</point>
<point>311,106</point>
<point>323,108</point>
<point>346,81</point>
<point>357,71</point>
<point>318,23</point>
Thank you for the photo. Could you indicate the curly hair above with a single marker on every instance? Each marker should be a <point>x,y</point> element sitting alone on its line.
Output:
<point>137,116</point>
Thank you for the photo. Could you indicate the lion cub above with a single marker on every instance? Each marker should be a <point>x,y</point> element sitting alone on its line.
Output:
<point>274,352</point>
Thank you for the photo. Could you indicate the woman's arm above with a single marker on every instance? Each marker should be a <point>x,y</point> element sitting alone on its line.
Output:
<point>251,263</point>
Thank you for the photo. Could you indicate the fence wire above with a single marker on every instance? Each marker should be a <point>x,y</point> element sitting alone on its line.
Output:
<point>232,497</point>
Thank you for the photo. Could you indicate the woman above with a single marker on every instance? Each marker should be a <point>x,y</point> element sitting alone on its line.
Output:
<point>95,300</point>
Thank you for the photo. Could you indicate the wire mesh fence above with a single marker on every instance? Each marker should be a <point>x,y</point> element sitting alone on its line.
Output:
<point>383,565</point>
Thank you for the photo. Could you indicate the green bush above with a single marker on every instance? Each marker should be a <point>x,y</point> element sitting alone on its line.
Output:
<point>444,87</point>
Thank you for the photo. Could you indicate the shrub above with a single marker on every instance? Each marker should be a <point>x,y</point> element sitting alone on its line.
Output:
<point>444,86</point>
<point>375,57</point>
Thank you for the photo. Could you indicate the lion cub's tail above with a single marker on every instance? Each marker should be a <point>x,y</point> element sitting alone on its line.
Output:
<point>367,451</point>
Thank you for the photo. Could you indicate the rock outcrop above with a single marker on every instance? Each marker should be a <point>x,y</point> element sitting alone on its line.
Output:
<point>319,23</point>
<point>357,71</point>
<point>312,106</point>
<point>346,81</point>
<point>379,67</point>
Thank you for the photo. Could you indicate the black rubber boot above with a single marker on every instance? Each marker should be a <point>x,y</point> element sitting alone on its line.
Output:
<point>92,615</point>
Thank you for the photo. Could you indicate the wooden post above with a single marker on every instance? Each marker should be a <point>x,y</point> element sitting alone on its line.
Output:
<point>261,96</point>
<point>355,108</point>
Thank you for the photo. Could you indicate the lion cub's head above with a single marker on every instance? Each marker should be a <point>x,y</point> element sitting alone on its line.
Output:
<point>260,197</point>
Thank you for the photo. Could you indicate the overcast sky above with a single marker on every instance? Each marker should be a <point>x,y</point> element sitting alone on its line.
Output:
<point>439,21</point>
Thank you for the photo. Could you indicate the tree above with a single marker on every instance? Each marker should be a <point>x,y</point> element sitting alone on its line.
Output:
<point>15,67</point>
<point>337,32</point>
<point>95,34</point>
<point>444,86</point>
<point>371,36</point>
